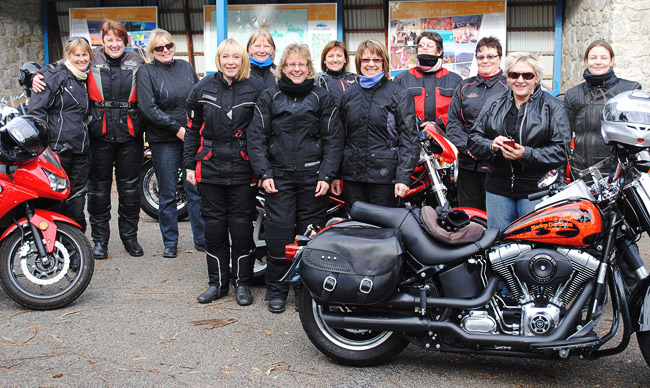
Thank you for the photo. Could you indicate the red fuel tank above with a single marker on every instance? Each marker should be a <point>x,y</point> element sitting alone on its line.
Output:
<point>566,223</point>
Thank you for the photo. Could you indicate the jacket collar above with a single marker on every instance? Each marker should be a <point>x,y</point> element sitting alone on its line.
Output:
<point>493,80</point>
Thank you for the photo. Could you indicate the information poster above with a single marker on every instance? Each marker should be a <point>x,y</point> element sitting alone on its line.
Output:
<point>461,24</point>
<point>139,22</point>
<point>312,24</point>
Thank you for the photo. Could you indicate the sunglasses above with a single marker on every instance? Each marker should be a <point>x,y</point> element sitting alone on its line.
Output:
<point>160,49</point>
<point>73,38</point>
<point>368,60</point>
<point>526,76</point>
<point>481,58</point>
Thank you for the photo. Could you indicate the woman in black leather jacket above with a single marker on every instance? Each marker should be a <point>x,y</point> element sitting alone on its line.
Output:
<point>522,134</point>
<point>584,104</point>
<point>295,143</point>
<point>334,62</point>
<point>381,138</point>
<point>219,110</point>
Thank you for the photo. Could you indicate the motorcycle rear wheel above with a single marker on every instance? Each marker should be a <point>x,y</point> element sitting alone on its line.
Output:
<point>149,193</point>
<point>45,285</point>
<point>351,347</point>
<point>643,338</point>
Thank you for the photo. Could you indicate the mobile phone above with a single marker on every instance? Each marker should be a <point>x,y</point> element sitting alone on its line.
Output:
<point>509,143</point>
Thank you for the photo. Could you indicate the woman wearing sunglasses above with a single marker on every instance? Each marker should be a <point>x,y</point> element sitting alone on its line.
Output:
<point>469,97</point>
<point>295,142</point>
<point>381,146</point>
<point>585,102</point>
<point>522,135</point>
<point>163,88</point>
<point>64,106</point>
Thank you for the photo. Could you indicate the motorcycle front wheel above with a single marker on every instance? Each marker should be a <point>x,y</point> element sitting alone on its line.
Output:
<point>149,193</point>
<point>45,284</point>
<point>353,347</point>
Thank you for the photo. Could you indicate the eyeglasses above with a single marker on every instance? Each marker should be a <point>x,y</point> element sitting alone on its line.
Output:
<point>73,38</point>
<point>159,49</point>
<point>298,65</point>
<point>427,45</point>
<point>368,60</point>
<point>481,58</point>
<point>526,76</point>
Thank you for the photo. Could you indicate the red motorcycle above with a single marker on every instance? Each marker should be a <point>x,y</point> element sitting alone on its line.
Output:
<point>45,259</point>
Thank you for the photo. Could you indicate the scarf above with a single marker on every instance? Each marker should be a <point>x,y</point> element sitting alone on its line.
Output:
<point>265,63</point>
<point>598,80</point>
<point>490,76</point>
<point>429,63</point>
<point>288,87</point>
<point>368,82</point>
<point>78,74</point>
<point>337,74</point>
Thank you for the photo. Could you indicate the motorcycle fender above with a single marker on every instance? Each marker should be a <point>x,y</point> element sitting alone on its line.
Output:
<point>40,215</point>
<point>640,306</point>
<point>473,212</point>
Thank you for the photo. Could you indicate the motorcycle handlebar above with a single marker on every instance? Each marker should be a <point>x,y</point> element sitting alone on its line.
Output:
<point>536,196</point>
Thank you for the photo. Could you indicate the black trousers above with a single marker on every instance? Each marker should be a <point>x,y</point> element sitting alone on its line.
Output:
<point>76,166</point>
<point>374,193</point>
<point>471,188</point>
<point>289,212</point>
<point>226,210</point>
<point>126,158</point>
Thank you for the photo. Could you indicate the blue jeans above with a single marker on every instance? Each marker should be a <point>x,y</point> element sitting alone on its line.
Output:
<point>502,211</point>
<point>167,158</point>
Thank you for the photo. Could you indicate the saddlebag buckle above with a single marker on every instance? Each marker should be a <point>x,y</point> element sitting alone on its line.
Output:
<point>329,284</point>
<point>365,286</point>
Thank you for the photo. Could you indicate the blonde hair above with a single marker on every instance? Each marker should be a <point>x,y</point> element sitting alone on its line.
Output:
<point>245,68</point>
<point>529,58</point>
<point>75,43</point>
<point>155,36</point>
<point>297,49</point>
<point>377,48</point>
<point>261,34</point>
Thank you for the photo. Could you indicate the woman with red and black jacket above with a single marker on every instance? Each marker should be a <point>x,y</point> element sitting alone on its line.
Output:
<point>431,85</point>
<point>219,110</point>
<point>470,96</point>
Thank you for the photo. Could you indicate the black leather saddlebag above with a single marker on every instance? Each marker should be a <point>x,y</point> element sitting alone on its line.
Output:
<point>352,265</point>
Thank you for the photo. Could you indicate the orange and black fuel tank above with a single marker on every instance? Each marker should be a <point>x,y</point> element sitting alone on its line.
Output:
<point>569,223</point>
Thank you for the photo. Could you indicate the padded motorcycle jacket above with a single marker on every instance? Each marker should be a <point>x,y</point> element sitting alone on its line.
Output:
<point>162,90</point>
<point>218,116</point>
<point>542,127</point>
<point>64,106</point>
<point>432,92</point>
<point>266,75</point>
<point>296,134</point>
<point>381,143</point>
<point>584,104</point>
<point>470,96</point>
<point>336,84</point>
<point>112,92</point>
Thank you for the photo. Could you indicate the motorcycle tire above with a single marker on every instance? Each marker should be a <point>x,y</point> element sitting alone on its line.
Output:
<point>259,267</point>
<point>643,338</point>
<point>46,286</point>
<point>351,347</point>
<point>149,193</point>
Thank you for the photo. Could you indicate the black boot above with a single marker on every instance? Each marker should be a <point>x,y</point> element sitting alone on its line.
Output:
<point>100,250</point>
<point>211,294</point>
<point>219,272</point>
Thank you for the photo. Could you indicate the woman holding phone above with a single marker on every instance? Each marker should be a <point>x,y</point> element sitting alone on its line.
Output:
<point>522,135</point>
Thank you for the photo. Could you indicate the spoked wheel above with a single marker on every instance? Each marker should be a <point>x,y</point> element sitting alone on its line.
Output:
<point>149,193</point>
<point>352,347</point>
<point>46,283</point>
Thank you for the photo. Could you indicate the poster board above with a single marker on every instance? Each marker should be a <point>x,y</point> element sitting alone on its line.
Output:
<point>312,24</point>
<point>139,22</point>
<point>461,24</point>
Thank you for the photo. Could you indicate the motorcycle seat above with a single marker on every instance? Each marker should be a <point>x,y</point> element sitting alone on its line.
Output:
<point>417,241</point>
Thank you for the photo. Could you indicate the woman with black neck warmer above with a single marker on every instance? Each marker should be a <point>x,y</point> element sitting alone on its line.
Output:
<point>334,62</point>
<point>431,85</point>
<point>295,143</point>
<point>261,49</point>
<point>381,146</point>
<point>584,104</point>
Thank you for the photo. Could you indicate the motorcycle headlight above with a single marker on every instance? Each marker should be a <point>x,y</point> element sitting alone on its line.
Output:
<point>57,183</point>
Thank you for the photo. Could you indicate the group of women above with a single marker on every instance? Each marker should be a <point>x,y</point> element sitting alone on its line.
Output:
<point>299,136</point>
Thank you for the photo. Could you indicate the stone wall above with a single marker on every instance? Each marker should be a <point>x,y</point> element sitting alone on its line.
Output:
<point>625,24</point>
<point>21,40</point>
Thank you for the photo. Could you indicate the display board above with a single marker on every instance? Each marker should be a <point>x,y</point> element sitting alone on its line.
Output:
<point>139,22</point>
<point>312,24</point>
<point>461,24</point>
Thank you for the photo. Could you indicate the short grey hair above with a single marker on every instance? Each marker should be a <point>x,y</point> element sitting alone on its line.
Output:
<point>527,57</point>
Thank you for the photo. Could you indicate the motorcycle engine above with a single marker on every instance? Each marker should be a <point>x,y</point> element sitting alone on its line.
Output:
<point>542,281</point>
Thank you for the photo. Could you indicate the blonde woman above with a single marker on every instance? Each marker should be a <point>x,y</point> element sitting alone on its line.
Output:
<point>163,86</point>
<point>296,144</point>
<point>219,110</point>
<point>63,104</point>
